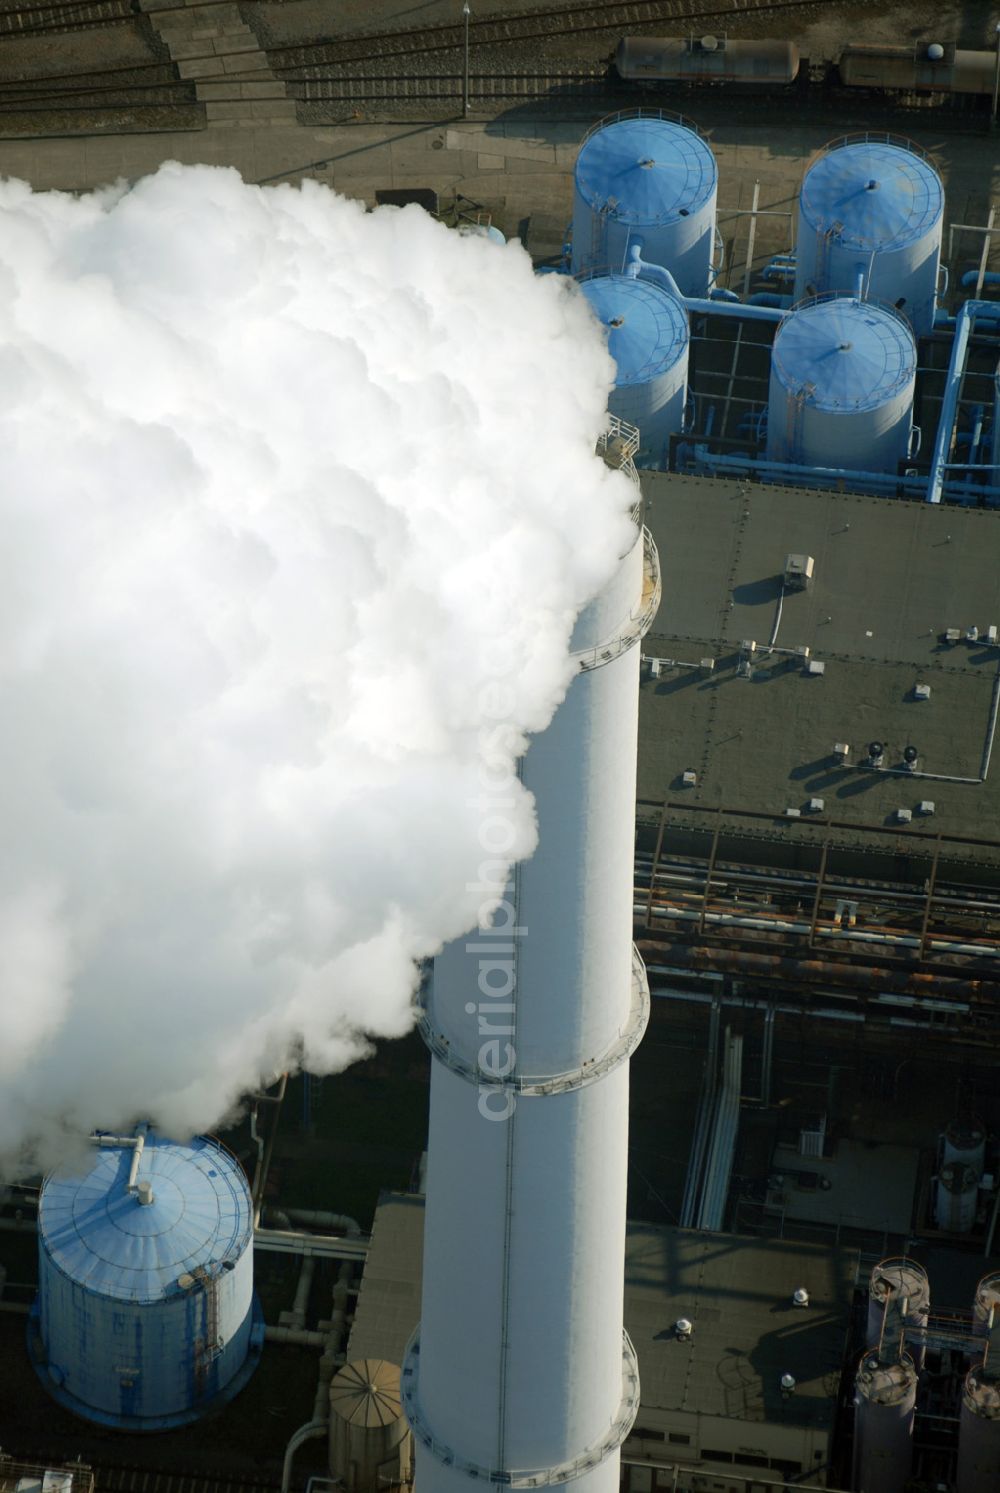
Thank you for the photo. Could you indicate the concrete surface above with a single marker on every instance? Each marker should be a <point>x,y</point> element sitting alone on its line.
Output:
<point>516,166</point>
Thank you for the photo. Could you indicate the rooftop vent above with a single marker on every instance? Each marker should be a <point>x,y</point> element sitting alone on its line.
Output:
<point>800,1297</point>
<point>876,753</point>
<point>787,1386</point>
<point>798,572</point>
<point>683,1329</point>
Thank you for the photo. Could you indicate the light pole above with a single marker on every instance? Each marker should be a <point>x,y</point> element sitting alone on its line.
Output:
<point>465,66</point>
<point>996,84</point>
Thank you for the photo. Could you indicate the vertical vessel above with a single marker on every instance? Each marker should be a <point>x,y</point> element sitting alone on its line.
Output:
<point>649,176</point>
<point>843,373</point>
<point>145,1314</point>
<point>893,1282</point>
<point>884,1400</point>
<point>965,1141</point>
<point>521,1373</point>
<point>957,1192</point>
<point>872,206</point>
<point>370,1442</point>
<point>979,1433</point>
<point>647,332</point>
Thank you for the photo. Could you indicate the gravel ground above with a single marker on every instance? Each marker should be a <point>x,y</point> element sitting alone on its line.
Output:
<point>131,50</point>
<point>821,30</point>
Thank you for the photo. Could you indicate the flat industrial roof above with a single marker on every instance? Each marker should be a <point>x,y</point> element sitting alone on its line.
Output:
<point>890,578</point>
<point>388,1304</point>
<point>736,1291</point>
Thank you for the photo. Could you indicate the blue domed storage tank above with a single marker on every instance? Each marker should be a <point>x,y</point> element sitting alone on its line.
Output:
<point>647,331</point>
<point>145,1312</point>
<point>841,390</point>
<point>650,178</point>
<point>873,206</point>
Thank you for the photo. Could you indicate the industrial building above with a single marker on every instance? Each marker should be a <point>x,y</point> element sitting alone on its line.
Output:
<point>711,1392</point>
<point>794,677</point>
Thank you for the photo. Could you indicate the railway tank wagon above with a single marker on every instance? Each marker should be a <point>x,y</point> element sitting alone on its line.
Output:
<point>936,68</point>
<point>706,59</point>
<point>648,177</point>
<point>145,1315</point>
<point>871,209</point>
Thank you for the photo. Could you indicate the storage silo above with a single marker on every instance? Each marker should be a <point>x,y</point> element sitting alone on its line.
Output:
<point>872,205</point>
<point>370,1439</point>
<point>979,1434</point>
<point>896,1280</point>
<point>841,392</point>
<point>650,177</point>
<point>965,1140</point>
<point>987,1301</point>
<point>955,1197</point>
<point>145,1314</point>
<point>647,331</point>
<point>884,1399</point>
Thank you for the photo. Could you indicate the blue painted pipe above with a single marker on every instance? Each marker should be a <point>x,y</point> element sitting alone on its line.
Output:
<point>988,310</point>
<point>769,298</point>
<point>971,277</point>
<point>805,476</point>
<point>638,267</point>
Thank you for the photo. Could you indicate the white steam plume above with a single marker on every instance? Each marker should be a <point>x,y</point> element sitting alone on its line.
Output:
<point>288,492</point>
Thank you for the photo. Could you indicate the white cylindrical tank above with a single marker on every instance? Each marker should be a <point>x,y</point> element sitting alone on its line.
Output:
<point>521,1367</point>
<point>872,205</point>
<point>647,331</point>
<point>370,1441</point>
<point>965,1140</point>
<point>843,374</point>
<point>901,1279</point>
<point>956,1194</point>
<point>650,177</point>
<point>987,1302</point>
<point>145,1314</point>
<point>884,1400</point>
<point>979,1435</point>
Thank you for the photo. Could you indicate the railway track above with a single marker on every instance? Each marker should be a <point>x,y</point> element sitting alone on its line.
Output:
<point>580,82</point>
<point>81,15</point>
<point>129,1478</point>
<point>521,26</point>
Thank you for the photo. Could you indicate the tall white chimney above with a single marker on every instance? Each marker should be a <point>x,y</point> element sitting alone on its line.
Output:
<point>521,1374</point>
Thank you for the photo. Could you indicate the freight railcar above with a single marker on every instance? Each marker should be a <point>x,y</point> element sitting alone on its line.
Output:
<point>931,73</point>
<point>706,59</point>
